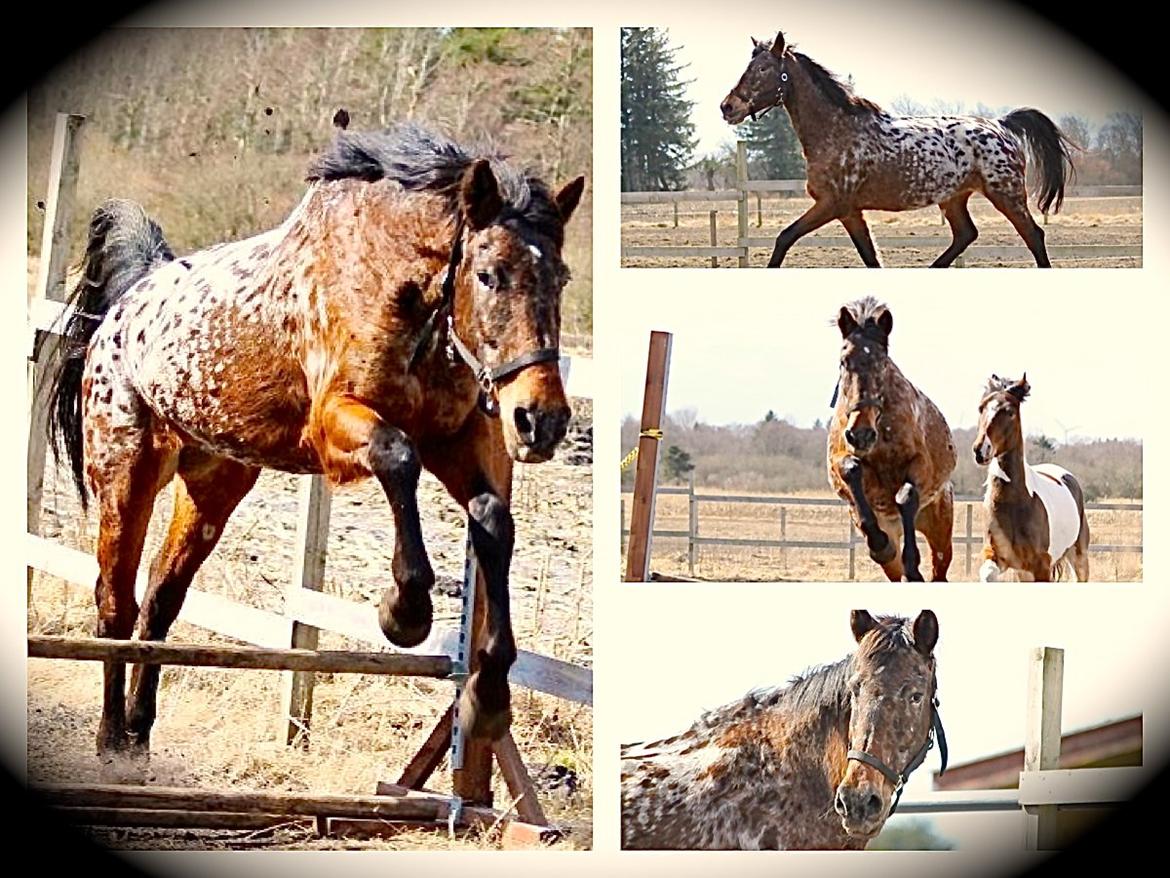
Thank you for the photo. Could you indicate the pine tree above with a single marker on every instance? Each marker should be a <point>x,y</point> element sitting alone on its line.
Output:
<point>773,149</point>
<point>657,133</point>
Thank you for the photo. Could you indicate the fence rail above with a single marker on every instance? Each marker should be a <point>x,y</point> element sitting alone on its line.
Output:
<point>745,189</point>
<point>969,539</point>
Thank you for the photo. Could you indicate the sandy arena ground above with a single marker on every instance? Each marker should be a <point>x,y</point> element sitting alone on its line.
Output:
<point>1081,221</point>
<point>831,523</point>
<point>218,728</point>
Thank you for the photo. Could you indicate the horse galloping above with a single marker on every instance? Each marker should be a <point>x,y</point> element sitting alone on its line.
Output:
<point>890,451</point>
<point>860,157</point>
<point>405,314</point>
<point>819,764</point>
<point>1035,514</point>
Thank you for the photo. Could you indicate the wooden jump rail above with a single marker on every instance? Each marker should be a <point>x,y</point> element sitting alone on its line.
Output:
<point>285,642</point>
<point>744,243</point>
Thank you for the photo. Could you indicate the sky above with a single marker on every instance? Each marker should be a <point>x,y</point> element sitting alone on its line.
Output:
<point>756,635</point>
<point>977,53</point>
<point>746,342</point>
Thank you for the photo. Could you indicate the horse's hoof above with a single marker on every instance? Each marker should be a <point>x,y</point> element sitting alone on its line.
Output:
<point>405,620</point>
<point>483,720</point>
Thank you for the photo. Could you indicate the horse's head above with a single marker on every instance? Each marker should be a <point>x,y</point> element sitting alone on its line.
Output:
<point>999,429</point>
<point>508,303</point>
<point>762,85</point>
<point>892,715</point>
<point>865,330</point>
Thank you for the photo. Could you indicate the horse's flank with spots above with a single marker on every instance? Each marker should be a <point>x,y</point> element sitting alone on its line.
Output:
<point>860,157</point>
<point>337,343</point>
<point>814,765</point>
<point>1036,523</point>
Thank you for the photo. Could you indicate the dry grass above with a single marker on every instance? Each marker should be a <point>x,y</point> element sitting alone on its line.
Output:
<point>1081,221</point>
<point>218,728</point>
<point>831,523</point>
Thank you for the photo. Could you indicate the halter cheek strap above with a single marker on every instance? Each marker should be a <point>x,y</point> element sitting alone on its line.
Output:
<point>899,778</point>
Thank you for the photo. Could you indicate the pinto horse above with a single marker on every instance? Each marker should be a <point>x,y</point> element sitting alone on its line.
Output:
<point>1035,514</point>
<point>405,314</point>
<point>818,764</point>
<point>891,453</point>
<point>860,157</point>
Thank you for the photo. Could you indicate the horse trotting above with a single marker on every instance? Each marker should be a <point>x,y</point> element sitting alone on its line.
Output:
<point>817,764</point>
<point>890,451</point>
<point>860,157</point>
<point>1035,514</point>
<point>406,314</point>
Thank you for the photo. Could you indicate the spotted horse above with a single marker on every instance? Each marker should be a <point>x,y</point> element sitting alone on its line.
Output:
<point>818,764</point>
<point>406,314</point>
<point>859,157</point>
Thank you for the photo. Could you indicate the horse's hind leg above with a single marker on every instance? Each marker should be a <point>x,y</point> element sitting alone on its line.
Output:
<point>1013,204</point>
<point>858,230</point>
<point>476,470</point>
<point>811,220</point>
<point>207,491</point>
<point>962,229</point>
<point>936,522</point>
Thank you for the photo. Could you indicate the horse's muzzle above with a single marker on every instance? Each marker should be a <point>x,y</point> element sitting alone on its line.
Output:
<point>860,808</point>
<point>539,430</point>
<point>861,439</point>
<point>734,110</point>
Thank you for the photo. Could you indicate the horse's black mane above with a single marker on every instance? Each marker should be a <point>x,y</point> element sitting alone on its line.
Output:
<point>835,91</point>
<point>419,159</point>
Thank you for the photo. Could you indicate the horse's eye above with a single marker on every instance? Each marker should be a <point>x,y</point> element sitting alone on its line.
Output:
<point>485,279</point>
<point>916,698</point>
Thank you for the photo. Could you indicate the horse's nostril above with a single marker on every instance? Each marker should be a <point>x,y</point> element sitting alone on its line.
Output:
<point>839,804</point>
<point>873,804</point>
<point>525,424</point>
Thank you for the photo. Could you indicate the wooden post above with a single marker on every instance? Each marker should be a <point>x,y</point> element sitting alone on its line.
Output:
<point>714,236</point>
<point>692,524</point>
<point>675,203</point>
<point>970,536</point>
<point>852,554</point>
<point>784,536</point>
<point>59,202</point>
<point>1042,738</point>
<point>646,475</point>
<point>741,200</point>
<point>313,506</point>
<point>759,210</point>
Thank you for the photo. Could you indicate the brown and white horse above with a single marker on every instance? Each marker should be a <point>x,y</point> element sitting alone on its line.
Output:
<point>1035,514</point>
<point>860,157</point>
<point>405,314</point>
<point>818,764</point>
<point>891,453</point>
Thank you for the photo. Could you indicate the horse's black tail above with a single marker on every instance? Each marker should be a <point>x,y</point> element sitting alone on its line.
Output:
<point>1051,149</point>
<point>124,245</point>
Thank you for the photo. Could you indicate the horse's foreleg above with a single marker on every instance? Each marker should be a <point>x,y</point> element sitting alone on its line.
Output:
<point>962,229</point>
<point>476,470</point>
<point>1014,205</point>
<point>811,220</point>
<point>855,225</point>
<point>907,499</point>
<point>881,549</point>
<point>206,493</point>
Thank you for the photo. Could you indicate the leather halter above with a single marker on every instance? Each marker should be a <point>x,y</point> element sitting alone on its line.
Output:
<point>899,778</point>
<point>486,378</point>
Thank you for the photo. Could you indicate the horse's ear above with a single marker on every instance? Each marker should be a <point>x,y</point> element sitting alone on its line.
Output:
<point>1021,388</point>
<point>846,322</point>
<point>778,44</point>
<point>925,632</point>
<point>885,323</point>
<point>861,622</point>
<point>479,195</point>
<point>568,198</point>
<point>756,43</point>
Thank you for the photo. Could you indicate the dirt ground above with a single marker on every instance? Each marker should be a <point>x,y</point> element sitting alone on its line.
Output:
<point>1081,221</point>
<point>218,728</point>
<point>831,523</point>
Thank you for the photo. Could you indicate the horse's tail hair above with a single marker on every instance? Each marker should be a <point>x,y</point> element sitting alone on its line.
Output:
<point>1052,151</point>
<point>124,245</point>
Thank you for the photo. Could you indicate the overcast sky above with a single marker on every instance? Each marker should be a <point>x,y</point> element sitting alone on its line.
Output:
<point>989,53</point>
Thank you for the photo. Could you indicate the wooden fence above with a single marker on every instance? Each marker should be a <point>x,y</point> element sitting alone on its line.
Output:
<point>970,540</point>
<point>745,189</point>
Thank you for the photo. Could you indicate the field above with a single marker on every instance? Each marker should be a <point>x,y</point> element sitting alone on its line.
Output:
<point>218,728</point>
<point>1081,221</point>
<point>754,521</point>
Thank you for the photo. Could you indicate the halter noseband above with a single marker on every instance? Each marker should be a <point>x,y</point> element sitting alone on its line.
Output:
<point>899,778</point>
<point>486,378</point>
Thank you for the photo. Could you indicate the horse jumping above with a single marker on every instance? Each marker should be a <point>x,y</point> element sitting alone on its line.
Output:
<point>1035,514</point>
<point>405,314</point>
<point>818,764</point>
<point>860,157</point>
<point>891,453</point>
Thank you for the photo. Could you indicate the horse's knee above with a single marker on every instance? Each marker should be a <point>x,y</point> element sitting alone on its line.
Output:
<point>494,519</point>
<point>392,456</point>
<point>907,497</point>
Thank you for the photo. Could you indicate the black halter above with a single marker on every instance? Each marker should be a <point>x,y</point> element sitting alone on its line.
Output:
<point>486,378</point>
<point>898,779</point>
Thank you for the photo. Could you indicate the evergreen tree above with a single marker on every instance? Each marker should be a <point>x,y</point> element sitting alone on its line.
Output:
<point>657,133</point>
<point>773,150</point>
